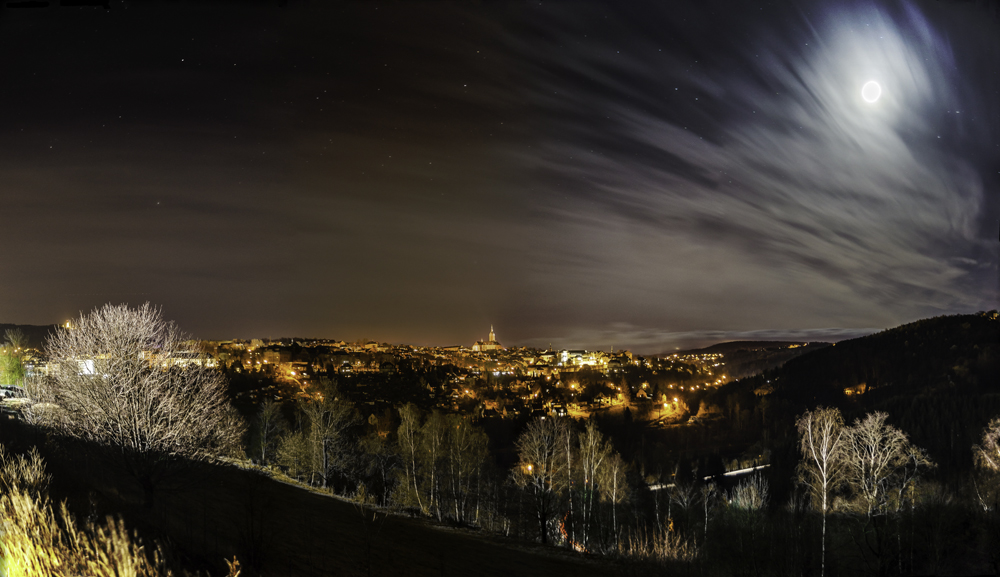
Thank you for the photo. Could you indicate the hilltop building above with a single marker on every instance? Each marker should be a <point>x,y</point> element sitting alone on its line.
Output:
<point>490,345</point>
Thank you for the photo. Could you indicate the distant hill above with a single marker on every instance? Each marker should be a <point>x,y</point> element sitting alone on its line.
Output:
<point>937,378</point>
<point>36,333</point>
<point>733,346</point>
<point>948,353</point>
<point>748,358</point>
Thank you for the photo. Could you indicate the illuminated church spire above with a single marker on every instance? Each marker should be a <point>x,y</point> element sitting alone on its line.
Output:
<point>493,337</point>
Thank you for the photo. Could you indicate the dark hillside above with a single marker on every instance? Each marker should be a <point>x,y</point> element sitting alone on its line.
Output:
<point>213,512</point>
<point>938,379</point>
<point>748,358</point>
<point>36,334</point>
<point>952,354</point>
<point>734,346</point>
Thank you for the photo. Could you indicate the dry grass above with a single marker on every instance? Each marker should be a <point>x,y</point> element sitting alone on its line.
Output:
<point>23,472</point>
<point>659,547</point>
<point>280,528</point>
<point>37,538</point>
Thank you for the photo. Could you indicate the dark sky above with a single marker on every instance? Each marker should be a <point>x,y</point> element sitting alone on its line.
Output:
<point>641,175</point>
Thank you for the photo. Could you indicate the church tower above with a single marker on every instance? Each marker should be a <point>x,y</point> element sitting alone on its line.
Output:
<point>493,338</point>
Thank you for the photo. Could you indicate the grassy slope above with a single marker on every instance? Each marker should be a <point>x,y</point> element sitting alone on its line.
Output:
<point>278,529</point>
<point>303,533</point>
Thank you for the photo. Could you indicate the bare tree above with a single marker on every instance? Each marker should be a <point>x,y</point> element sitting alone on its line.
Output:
<point>269,427</point>
<point>880,458</point>
<point>121,377</point>
<point>330,417</point>
<point>747,501</point>
<point>432,436</point>
<point>681,494</point>
<point>987,453</point>
<point>294,454</point>
<point>876,453</point>
<point>409,446</point>
<point>569,449</point>
<point>987,458</point>
<point>540,466</point>
<point>709,494</point>
<point>914,462</point>
<point>380,459</point>
<point>822,440</point>
<point>614,488</point>
<point>467,449</point>
<point>594,450</point>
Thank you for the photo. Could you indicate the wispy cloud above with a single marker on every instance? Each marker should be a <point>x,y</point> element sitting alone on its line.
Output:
<point>764,160</point>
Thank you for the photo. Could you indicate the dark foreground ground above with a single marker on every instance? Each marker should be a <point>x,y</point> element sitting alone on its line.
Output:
<point>286,530</point>
<point>212,513</point>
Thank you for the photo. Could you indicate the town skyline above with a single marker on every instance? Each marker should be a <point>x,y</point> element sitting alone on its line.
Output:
<point>650,344</point>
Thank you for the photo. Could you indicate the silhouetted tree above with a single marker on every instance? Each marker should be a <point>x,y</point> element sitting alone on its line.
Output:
<point>329,419</point>
<point>269,424</point>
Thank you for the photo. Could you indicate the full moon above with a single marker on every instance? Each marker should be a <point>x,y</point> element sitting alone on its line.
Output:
<point>871,91</point>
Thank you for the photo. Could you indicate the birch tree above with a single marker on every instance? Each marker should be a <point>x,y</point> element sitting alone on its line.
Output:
<point>594,449</point>
<point>709,493</point>
<point>614,488</point>
<point>822,440</point>
<point>880,458</point>
<point>569,450</point>
<point>467,449</point>
<point>875,453</point>
<point>408,436</point>
<point>432,436</point>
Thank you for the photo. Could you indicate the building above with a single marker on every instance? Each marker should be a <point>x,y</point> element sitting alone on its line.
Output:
<point>490,345</point>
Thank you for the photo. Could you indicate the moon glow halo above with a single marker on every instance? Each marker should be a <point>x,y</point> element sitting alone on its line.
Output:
<point>871,91</point>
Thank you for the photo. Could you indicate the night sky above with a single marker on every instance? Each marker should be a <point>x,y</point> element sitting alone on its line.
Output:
<point>643,175</point>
